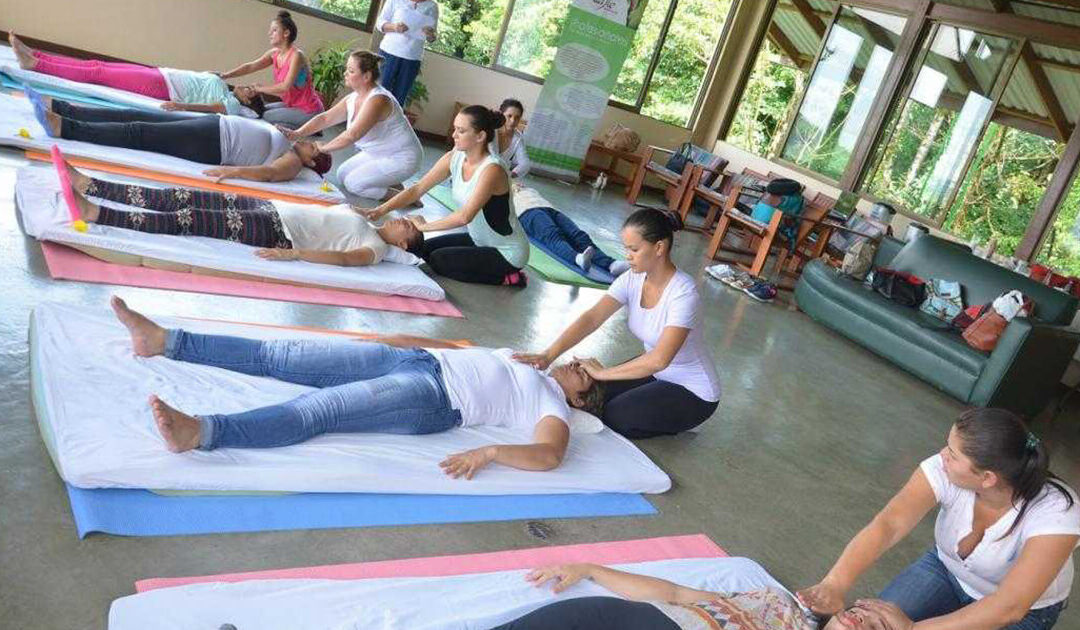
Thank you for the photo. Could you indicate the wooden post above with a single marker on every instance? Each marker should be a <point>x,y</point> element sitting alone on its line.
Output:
<point>1055,194</point>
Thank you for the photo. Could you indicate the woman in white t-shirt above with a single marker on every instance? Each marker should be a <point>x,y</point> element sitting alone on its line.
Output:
<point>674,385</point>
<point>1004,537</point>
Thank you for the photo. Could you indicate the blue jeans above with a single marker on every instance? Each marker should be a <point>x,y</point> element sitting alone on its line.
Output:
<point>561,236</point>
<point>363,388</point>
<point>927,589</point>
<point>398,75</point>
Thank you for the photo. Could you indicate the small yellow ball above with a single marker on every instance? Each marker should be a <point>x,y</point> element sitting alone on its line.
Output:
<point>79,225</point>
<point>326,187</point>
<point>24,133</point>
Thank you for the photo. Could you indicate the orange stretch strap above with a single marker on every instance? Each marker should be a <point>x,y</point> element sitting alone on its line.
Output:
<point>191,182</point>
<point>463,343</point>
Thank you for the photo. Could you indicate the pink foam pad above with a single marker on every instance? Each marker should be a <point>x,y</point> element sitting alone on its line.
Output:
<point>645,550</point>
<point>70,264</point>
<point>65,183</point>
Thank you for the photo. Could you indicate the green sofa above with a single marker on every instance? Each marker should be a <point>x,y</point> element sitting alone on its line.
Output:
<point>1022,371</point>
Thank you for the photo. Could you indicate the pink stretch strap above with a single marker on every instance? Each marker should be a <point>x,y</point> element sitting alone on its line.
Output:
<point>65,184</point>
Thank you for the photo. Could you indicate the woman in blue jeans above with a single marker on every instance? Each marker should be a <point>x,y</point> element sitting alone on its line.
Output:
<point>364,387</point>
<point>1004,538</point>
<point>560,235</point>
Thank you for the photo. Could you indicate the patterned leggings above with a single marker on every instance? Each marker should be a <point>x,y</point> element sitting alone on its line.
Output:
<point>188,212</point>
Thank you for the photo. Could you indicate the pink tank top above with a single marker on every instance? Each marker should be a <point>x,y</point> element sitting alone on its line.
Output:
<point>301,94</point>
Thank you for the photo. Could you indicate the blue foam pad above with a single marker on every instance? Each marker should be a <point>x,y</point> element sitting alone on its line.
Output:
<point>64,95</point>
<point>596,274</point>
<point>142,513</point>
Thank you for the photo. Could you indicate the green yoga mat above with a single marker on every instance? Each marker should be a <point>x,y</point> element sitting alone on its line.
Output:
<point>549,268</point>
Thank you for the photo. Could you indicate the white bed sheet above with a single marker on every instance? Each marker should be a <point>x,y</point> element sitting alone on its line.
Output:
<point>95,397</point>
<point>45,216</point>
<point>460,602</point>
<point>17,113</point>
<point>10,66</point>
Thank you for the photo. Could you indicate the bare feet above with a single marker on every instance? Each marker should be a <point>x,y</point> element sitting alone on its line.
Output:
<point>147,338</point>
<point>80,182</point>
<point>181,431</point>
<point>52,119</point>
<point>23,53</point>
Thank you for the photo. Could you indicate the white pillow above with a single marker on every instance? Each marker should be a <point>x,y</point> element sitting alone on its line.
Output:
<point>397,255</point>
<point>583,422</point>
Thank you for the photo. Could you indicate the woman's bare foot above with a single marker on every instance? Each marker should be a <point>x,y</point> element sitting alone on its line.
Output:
<point>23,53</point>
<point>147,338</point>
<point>53,120</point>
<point>181,431</point>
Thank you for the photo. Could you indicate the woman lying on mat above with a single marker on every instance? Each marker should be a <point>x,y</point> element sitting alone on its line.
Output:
<point>495,249</point>
<point>509,144</point>
<point>286,231</point>
<point>1004,536</point>
<point>245,149</point>
<point>560,234</point>
<point>182,90</point>
<point>648,603</point>
<point>674,386</point>
<point>389,151</point>
<point>365,387</point>
<point>293,78</point>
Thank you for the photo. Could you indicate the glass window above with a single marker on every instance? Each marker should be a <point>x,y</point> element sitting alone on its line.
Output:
<point>779,75</point>
<point>351,9</point>
<point>1061,248</point>
<point>949,101</point>
<point>632,77</point>
<point>468,29</point>
<point>531,36</point>
<point>845,82</point>
<point>685,56</point>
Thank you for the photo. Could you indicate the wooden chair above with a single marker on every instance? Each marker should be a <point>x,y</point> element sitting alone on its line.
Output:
<point>676,185</point>
<point>713,194</point>
<point>813,223</point>
<point>765,238</point>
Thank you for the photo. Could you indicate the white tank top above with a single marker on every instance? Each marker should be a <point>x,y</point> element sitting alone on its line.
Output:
<point>392,137</point>
<point>514,247</point>
<point>246,142</point>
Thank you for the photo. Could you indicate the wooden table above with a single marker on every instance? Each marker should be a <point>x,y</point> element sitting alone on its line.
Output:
<point>598,150</point>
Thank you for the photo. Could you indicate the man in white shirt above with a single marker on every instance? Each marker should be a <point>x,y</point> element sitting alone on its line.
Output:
<point>406,26</point>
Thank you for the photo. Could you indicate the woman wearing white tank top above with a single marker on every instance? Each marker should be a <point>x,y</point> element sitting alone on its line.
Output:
<point>389,151</point>
<point>495,247</point>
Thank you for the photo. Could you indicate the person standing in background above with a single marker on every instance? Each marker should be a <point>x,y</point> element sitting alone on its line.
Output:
<point>406,26</point>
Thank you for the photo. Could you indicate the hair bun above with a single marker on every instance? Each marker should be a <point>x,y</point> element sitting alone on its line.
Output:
<point>284,14</point>
<point>497,118</point>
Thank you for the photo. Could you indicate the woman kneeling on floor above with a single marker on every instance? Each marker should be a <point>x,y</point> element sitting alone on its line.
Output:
<point>674,386</point>
<point>282,230</point>
<point>1004,537</point>
<point>364,387</point>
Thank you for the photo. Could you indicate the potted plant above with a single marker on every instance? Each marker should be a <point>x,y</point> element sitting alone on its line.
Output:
<point>414,103</point>
<point>328,70</point>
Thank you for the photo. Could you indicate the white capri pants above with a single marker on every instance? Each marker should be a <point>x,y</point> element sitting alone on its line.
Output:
<point>368,174</point>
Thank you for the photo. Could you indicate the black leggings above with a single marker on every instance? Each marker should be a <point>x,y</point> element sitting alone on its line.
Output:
<point>457,256</point>
<point>188,212</point>
<point>648,407</point>
<point>593,613</point>
<point>191,137</point>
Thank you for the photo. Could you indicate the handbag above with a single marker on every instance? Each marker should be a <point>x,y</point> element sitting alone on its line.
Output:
<point>858,259</point>
<point>903,288</point>
<point>985,332</point>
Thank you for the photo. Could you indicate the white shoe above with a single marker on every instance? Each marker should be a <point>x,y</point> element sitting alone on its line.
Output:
<point>720,272</point>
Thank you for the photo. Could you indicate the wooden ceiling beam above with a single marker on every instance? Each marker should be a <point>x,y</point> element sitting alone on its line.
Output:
<point>811,16</point>
<point>1046,92</point>
<point>776,35</point>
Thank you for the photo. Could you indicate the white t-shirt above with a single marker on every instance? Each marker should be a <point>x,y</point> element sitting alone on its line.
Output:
<point>247,142</point>
<point>679,306</point>
<point>336,229</point>
<point>490,388</point>
<point>526,199</point>
<point>986,566</point>
<point>410,44</point>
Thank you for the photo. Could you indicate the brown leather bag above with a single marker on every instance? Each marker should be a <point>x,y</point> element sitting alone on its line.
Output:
<point>621,138</point>
<point>984,332</point>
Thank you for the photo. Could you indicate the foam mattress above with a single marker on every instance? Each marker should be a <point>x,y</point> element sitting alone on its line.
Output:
<point>17,113</point>
<point>476,602</point>
<point>93,394</point>
<point>45,216</point>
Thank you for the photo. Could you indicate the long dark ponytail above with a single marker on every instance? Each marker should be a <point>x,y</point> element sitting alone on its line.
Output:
<point>998,440</point>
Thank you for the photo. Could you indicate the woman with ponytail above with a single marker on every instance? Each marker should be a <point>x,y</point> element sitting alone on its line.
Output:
<point>1004,538</point>
<point>293,80</point>
<point>495,248</point>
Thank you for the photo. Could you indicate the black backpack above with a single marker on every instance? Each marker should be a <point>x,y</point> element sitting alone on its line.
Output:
<point>903,288</point>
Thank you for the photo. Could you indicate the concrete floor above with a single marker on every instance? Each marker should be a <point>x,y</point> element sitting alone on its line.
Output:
<point>812,436</point>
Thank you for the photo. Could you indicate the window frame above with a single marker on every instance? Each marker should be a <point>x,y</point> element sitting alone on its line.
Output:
<point>367,26</point>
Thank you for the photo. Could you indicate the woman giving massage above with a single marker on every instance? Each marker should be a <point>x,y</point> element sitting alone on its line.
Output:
<point>285,231</point>
<point>365,387</point>
<point>182,90</point>
<point>245,149</point>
